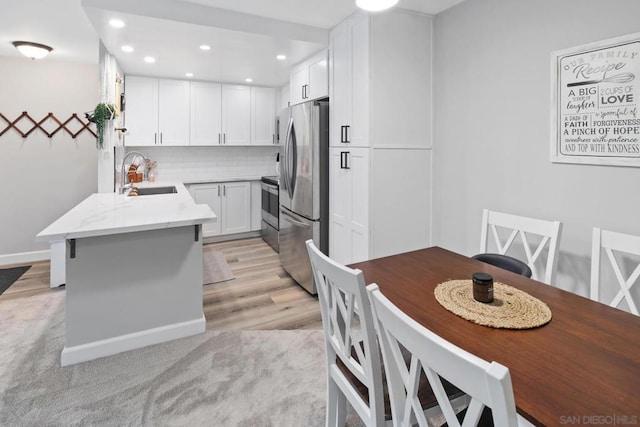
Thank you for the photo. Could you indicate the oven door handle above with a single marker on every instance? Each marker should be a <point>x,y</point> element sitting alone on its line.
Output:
<point>273,189</point>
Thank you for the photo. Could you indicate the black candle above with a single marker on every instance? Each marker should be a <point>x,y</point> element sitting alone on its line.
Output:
<point>482,287</point>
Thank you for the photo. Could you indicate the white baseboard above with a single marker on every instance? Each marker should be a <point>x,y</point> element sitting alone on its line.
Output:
<point>25,257</point>
<point>111,346</point>
<point>226,237</point>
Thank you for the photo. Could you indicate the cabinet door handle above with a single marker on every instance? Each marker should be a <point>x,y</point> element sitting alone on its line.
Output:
<point>219,190</point>
<point>344,133</point>
<point>224,190</point>
<point>344,160</point>
<point>160,137</point>
<point>273,138</point>
<point>219,142</point>
<point>155,137</point>
<point>72,248</point>
<point>224,138</point>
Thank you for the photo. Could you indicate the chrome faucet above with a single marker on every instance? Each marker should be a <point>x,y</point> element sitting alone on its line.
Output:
<point>123,176</point>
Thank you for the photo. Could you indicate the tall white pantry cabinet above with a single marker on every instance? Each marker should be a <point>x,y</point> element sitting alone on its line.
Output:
<point>380,135</point>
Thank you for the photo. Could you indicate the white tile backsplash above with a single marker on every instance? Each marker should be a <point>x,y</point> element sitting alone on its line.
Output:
<point>198,163</point>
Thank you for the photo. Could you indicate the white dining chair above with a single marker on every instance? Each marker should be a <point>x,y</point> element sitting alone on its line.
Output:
<point>615,243</point>
<point>529,230</point>
<point>486,384</point>
<point>340,289</point>
<point>352,348</point>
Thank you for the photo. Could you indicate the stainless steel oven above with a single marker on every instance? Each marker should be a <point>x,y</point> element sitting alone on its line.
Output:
<point>270,211</point>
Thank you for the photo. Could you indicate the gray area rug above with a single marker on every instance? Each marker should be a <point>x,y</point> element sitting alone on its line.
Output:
<point>251,378</point>
<point>215,267</point>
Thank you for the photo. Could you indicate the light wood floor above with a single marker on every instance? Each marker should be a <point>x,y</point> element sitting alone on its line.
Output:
<point>262,295</point>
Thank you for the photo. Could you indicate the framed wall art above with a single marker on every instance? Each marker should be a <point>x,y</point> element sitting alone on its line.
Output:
<point>595,94</point>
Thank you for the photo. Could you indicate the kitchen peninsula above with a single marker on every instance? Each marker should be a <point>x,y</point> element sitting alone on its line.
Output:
<point>133,271</point>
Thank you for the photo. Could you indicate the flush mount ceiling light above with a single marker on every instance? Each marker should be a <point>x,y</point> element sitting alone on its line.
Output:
<point>149,59</point>
<point>375,5</point>
<point>281,57</point>
<point>205,47</point>
<point>32,50</point>
<point>248,80</point>
<point>189,74</point>
<point>127,48</point>
<point>116,23</point>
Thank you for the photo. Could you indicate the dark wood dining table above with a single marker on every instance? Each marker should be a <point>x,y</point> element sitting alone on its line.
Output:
<point>582,368</point>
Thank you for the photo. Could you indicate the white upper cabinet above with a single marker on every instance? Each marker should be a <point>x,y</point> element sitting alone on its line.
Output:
<point>236,115</point>
<point>263,115</point>
<point>157,111</point>
<point>310,79</point>
<point>349,95</point>
<point>299,79</point>
<point>173,112</point>
<point>141,111</point>
<point>403,118</point>
<point>375,101</point>
<point>318,76</point>
<point>206,113</point>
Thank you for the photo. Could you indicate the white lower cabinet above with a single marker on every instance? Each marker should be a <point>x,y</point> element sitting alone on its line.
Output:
<point>230,201</point>
<point>349,204</point>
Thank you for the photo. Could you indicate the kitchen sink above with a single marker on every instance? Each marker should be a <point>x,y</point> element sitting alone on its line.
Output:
<point>156,190</point>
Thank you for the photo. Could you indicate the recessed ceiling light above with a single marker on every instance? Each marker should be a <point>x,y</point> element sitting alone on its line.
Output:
<point>127,48</point>
<point>116,23</point>
<point>205,47</point>
<point>189,74</point>
<point>281,57</point>
<point>375,5</point>
<point>149,59</point>
<point>248,80</point>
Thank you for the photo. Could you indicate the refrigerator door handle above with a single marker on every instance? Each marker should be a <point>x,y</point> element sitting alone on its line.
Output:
<point>291,158</point>
<point>294,220</point>
<point>285,157</point>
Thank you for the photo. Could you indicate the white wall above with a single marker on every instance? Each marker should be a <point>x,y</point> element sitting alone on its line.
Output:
<point>492,126</point>
<point>43,178</point>
<point>107,159</point>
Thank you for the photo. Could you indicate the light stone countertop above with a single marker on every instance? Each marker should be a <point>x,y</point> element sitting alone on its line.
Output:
<point>103,214</point>
<point>216,180</point>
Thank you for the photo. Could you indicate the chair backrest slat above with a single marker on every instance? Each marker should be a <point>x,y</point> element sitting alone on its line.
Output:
<point>548,231</point>
<point>611,242</point>
<point>487,384</point>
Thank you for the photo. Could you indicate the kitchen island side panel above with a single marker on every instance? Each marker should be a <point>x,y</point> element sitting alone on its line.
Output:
<point>130,283</point>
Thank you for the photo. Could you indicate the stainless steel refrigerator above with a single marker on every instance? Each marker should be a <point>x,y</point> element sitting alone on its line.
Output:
<point>304,188</point>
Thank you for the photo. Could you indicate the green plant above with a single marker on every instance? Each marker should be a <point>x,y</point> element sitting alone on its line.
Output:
<point>102,113</point>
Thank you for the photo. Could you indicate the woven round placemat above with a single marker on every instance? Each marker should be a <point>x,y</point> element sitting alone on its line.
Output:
<point>511,308</point>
